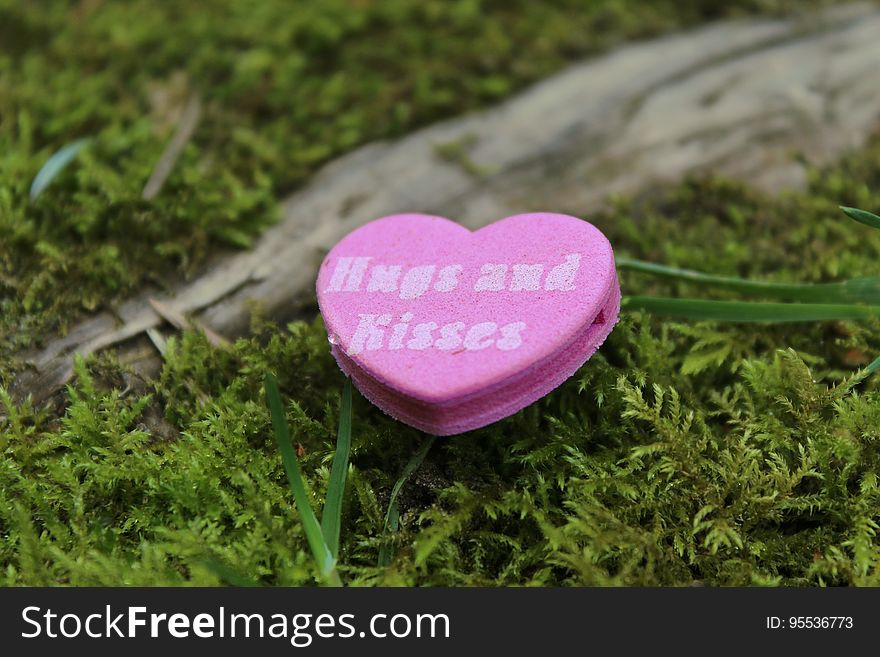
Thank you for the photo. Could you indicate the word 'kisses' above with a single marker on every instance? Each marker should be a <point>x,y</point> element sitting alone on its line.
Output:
<point>351,272</point>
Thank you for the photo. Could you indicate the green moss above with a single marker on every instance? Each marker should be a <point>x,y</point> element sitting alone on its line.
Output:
<point>285,88</point>
<point>680,453</point>
<point>458,152</point>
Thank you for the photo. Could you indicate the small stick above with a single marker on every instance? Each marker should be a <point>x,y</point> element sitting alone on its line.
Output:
<point>192,113</point>
<point>158,340</point>
<point>180,322</point>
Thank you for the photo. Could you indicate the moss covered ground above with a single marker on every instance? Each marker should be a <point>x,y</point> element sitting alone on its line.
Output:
<point>681,453</point>
<point>285,87</point>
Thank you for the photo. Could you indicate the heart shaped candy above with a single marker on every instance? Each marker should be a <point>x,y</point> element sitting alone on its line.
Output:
<point>449,330</point>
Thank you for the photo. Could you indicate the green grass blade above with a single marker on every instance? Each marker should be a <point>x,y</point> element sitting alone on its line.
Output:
<point>862,216</point>
<point>320,551</point>
<point>331,518</point>
<point>857,290</point>
<point>54,165</point>
<point>392,517</point>
<point>747,311</point>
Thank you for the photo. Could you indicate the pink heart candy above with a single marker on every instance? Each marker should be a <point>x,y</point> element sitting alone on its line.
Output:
<point>449,330</point>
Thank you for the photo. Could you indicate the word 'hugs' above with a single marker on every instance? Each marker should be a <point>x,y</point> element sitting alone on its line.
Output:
<point>350,274</point>
<point>371,333</point>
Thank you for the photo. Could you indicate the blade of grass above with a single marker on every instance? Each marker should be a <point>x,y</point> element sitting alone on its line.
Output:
<point>856,378</point>
<point>747,311</point>
<point>54,165</point>
<point>857,290</point>
<point>320,551</point>
<point>392,517</point>
<point>862,216</point>
<point>331,518</point>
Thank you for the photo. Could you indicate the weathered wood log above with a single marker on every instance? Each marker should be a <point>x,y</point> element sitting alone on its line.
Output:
<point>739,98</point>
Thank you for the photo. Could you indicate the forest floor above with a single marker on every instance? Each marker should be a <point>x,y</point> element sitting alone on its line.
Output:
<point>681,453</point>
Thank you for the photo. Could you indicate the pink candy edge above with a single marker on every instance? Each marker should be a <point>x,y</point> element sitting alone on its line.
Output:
<point>527,387</point>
